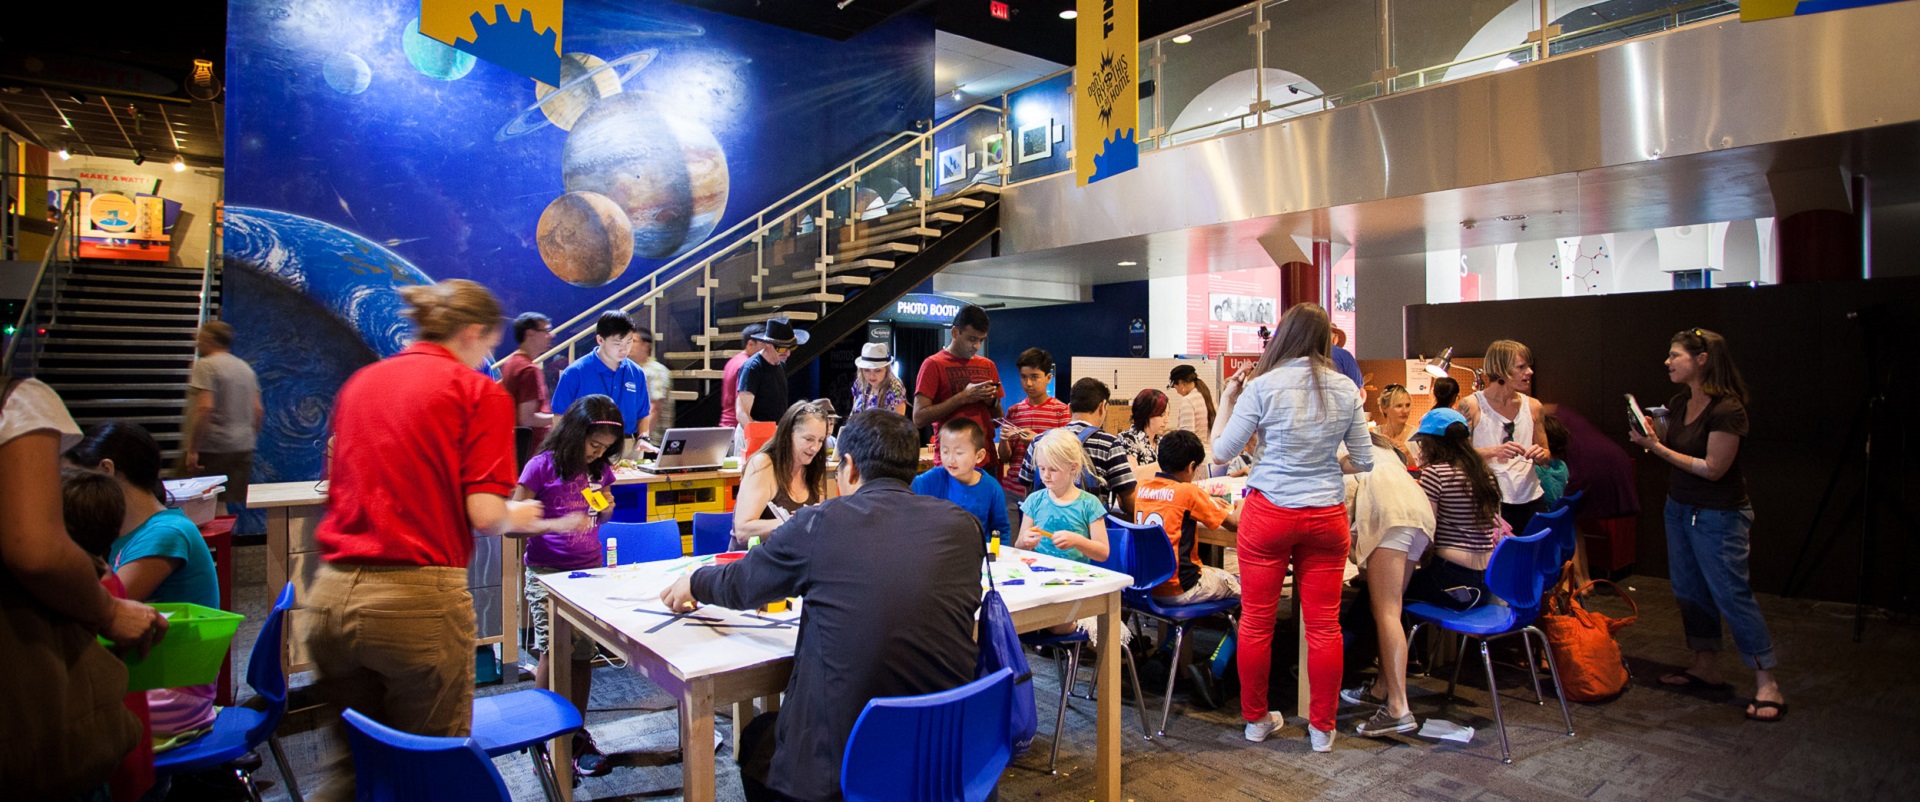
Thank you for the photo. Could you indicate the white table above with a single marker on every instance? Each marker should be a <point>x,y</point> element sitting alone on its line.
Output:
<point>704,663</point>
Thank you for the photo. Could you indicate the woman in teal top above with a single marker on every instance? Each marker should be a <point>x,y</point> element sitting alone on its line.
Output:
<point>159,556</point>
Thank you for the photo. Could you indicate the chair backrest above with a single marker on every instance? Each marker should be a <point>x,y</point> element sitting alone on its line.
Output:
<point>265,673</point>
<point>1571,501</point>
<point>1558,525</point>
<point>1150,561</point>
<point>949,746</point>
<point>392,766</point>
<point>712,531</point>
<point>1522,568</point>
<point>641,542</point>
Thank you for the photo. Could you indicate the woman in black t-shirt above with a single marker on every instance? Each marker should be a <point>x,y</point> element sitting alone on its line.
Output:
<point>1709,518</point>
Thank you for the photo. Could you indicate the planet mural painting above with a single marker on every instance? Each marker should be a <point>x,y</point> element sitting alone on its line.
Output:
<point>433,59</point>
<point>585,239</point>
<point>584,79</point>
<point>668,174</point>
<point>347,73</point>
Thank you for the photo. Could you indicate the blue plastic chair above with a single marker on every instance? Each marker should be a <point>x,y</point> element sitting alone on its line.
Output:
<point>525,720</point>
<point>712,532</point>
<point>642,542</point>
<point>237,731</point>
<point>393,766</point>
<point>1519,573</point>
<point>949,746</point>
<point>1154,562</point>
<point>1559,525</point>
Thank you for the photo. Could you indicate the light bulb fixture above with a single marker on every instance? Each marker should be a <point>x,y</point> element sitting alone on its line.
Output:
<point>139,158</point>
<point>1069,14</point>
<point>202,84</point>
<point>64,155</point>
<point>1183,39</point>
<point>179,164</point>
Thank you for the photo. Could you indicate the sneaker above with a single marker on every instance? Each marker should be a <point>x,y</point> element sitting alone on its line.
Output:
<point>1381,724</point>
<point>1362,695</point>
<point>1259,730</point>
<point>588,760</point>
<point>1322,741</point>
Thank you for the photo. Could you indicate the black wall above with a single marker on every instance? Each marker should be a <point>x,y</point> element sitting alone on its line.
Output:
<point>1804,361</point>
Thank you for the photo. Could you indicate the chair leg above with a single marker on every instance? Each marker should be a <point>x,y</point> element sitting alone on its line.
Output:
<point>246,781</point>
<point>1493,692</point>
<point>1411,633</point>
<point>1139,694</point>
<point>1558,690</point>
<point>286,771</point>
<point>1173,677</point>
<point>1533,670</point>
<point>1457,661</point>
<point>1060,716</point>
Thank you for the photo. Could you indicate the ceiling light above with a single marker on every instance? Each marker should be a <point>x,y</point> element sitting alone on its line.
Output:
<point>179,164</point>
<point>1069,14</point>
<point>1183,39</point>
<point>956,93</point>
<point>64,155</point>
<point>1127,264</point>
<point>139,158</point>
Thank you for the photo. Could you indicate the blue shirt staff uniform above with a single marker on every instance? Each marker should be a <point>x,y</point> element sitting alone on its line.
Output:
<point>589,375</point>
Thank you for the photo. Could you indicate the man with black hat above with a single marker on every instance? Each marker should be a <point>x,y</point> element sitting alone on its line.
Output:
<point>730,376</point>
<point>762,392</point>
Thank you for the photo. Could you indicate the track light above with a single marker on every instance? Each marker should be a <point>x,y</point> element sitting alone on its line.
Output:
<point>1069,14</point>
<point>64,155</point>
<point>179,164</point>
<point>139,158</point>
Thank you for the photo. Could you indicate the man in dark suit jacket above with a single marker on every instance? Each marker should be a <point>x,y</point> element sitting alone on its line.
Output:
<point>892,587</point>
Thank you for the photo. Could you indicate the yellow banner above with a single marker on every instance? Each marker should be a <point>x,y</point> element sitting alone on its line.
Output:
<point>1106,101</point>
<point>520,35</point>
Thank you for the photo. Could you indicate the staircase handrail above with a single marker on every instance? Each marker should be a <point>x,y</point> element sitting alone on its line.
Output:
<point>597,308</point>
<point>915,140</point>
<point>68,213</point>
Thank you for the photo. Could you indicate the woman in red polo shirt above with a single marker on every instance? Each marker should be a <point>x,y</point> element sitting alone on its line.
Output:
<point>423,462</point>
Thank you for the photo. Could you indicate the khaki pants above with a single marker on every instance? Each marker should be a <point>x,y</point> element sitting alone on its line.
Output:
<point>395,643</point>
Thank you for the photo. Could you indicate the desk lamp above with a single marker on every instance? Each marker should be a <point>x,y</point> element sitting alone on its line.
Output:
<point>1438,367</point>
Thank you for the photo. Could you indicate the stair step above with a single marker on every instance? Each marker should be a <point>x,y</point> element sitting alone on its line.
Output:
<point>65,302</point>
<point>839,268</point>
<point>699,374</point>
<point>115,371</point>
<point>875,238</point>
<point>832,281</point>
<point>93,287</point>
<point>908,218</point>
<point>723,337</point>
<point>683,395</point>
<point>980,189</point>
<point>144,420</point>
<point>956,202</point>
<point>869,250</point>
<point>101,278</point>
<point>120,357</point>
<point>187,331</point>
<point>790,300</point>
<point>87,267</point>
<point>100,403</point>
<point>171,389</point>
<point>742,320</point>
<point>695,356</point>
<point>91,314</point>
<point>94,342</point>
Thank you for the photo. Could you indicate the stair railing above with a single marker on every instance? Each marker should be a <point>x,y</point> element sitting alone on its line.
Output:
<point>47,278</point>
<point>812,215</point>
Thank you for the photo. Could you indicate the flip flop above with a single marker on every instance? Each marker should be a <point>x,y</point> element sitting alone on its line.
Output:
<point>1694,682</point>
<point>1759,705</point>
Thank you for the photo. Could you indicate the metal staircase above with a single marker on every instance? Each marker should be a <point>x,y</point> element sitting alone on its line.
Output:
<point>829,261</point>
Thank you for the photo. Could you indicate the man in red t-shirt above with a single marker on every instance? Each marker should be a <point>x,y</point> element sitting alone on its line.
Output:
<point>730,377</point>
<point>956,382</point>
<point>523,380</point>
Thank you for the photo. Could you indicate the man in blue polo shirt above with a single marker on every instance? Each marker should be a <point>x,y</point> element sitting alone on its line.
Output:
<point>607,371</point>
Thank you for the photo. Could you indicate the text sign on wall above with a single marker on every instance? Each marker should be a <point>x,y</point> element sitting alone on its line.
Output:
<point>1106,102</point>
<point>923,308</point>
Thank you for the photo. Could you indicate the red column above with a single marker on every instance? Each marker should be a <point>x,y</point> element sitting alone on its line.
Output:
<point>1818,245</point>
<point>1299,282</point>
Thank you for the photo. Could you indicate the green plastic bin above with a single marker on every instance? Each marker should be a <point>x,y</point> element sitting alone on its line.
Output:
<point>191,654</point>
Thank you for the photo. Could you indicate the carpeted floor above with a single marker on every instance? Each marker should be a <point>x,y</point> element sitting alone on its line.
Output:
<point>1850,734</point>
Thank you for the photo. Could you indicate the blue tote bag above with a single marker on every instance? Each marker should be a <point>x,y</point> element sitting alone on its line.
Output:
<point>1000,648</point>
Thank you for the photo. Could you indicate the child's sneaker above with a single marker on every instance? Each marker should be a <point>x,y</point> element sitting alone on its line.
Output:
<point>1381,724</point>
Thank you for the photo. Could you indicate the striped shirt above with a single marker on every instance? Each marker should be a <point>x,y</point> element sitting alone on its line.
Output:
<point>1048,416</point>
<point>1112,474</point>
<point>1457,523</point>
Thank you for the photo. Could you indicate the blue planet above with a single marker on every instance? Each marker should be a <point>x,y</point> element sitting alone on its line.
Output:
<point>318,304</point>
<point>432,58</point>
<point>347,73</point>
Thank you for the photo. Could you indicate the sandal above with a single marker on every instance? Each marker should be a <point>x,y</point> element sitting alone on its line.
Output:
<point>1693,682</point>
<point>1758,705</point>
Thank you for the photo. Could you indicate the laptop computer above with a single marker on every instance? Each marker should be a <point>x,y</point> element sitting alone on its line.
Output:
<point>688,450</point>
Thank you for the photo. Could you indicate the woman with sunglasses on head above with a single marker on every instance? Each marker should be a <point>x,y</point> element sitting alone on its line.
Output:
<point>1509,430</point>
<point>787,473</point>
<point>1709,517</point>
<point>1396,405</point>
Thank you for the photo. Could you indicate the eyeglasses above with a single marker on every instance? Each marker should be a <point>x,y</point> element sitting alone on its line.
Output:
<point>1508,428</point>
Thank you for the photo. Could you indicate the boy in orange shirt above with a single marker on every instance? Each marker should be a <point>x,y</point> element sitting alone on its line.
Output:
<point>1180,507</point>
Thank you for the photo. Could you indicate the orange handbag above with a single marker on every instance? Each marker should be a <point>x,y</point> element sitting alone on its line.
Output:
<point>1588,659</point>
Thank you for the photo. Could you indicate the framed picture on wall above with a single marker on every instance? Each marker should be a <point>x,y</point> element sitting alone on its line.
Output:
<point>952,164</point>
<point>993,151</point>
<point>1036,141</point>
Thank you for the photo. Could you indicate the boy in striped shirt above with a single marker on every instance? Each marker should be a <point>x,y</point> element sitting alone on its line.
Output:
<point>1026,421</point>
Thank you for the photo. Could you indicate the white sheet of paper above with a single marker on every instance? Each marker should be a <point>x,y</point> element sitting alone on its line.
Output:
<point>1419,381</point>
<point>1445,730</point>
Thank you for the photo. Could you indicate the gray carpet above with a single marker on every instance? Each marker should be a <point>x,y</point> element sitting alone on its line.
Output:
<point>1849,735</point>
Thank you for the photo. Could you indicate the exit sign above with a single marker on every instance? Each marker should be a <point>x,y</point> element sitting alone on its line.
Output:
<point>999,10</point>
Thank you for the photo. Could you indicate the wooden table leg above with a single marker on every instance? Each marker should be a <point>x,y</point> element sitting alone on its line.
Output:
<point>279,534</point>
<point>696,741</point>
<point>560,681</point>
<point>1107,722</point>
<point>742,713</point>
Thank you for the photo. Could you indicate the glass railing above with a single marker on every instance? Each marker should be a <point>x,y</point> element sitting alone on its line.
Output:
<point>1273,60</point>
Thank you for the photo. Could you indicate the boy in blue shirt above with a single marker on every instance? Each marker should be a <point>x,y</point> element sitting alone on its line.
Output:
<point>607,371</point>
<point>963,446</point>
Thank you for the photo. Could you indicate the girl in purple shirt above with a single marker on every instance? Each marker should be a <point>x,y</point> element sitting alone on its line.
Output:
<point>576,458</point>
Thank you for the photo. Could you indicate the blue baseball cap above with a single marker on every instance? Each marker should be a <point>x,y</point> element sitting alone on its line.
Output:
<point>1437,421</point>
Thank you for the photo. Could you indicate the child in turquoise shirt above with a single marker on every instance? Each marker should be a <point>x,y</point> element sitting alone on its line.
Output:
<point>1065,521</point>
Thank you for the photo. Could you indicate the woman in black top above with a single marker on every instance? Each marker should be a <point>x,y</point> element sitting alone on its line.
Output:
<point>1709,517</point>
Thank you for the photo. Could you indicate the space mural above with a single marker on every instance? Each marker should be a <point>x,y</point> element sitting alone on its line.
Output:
<point>363,156</point>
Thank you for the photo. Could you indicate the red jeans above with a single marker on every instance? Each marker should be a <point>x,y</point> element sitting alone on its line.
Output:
<point>1315,541</point>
